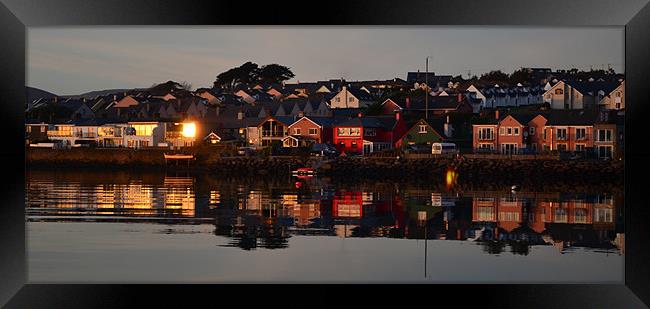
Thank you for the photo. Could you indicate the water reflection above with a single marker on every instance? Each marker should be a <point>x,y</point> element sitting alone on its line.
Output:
<point>266,213</point>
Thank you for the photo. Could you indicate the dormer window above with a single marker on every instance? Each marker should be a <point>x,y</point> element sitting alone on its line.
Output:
<point>422,129</point>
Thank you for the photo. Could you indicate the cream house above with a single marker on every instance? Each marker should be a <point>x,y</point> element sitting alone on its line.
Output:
<point>351,98</point>
<point>615,99</point>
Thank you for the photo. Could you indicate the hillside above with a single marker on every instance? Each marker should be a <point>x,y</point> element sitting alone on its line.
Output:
<point>35,93</point>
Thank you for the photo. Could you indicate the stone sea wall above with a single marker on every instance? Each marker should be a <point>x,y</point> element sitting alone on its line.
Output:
<point>342,167</point>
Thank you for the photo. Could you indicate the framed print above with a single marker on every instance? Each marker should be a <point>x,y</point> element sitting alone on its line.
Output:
<point>483,148</point>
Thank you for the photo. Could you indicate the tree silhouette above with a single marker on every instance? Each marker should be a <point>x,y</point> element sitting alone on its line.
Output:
<point>250,72</point>
<point>275,73</point>
<point>495,77</point>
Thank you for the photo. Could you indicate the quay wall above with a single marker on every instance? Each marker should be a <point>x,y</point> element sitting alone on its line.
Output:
<point>342,167</point>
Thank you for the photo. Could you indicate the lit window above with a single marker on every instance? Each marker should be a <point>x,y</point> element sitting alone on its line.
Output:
<point>422,129</point>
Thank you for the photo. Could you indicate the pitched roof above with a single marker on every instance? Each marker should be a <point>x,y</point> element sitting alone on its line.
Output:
<point>362,95</point>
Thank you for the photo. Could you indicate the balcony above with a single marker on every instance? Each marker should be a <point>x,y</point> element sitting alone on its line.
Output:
<point>174,134</point>
<point>56,133</point>
<point>85,134</point>
<point>267,133</point>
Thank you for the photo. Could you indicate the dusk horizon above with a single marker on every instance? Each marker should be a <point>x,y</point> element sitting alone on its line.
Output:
<point>72,61</point>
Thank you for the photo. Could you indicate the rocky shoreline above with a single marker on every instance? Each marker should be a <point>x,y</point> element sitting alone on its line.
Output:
<point>347,168</point>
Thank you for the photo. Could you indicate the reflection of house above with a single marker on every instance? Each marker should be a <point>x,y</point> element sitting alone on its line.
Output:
<point>304,212</point>
<point>509,210</point>
<point>347,205</point>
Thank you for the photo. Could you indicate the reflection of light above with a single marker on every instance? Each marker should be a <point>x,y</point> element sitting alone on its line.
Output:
<point>189,129</point>
<point>450,177</point>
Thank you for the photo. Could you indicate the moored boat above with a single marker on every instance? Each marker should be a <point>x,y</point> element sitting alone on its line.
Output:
<point>178,156</point>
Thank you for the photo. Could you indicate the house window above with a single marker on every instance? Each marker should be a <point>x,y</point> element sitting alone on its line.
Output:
<point>502,131</point>
<point>313,131</point>
<point>354,145</point>
<point>581,133</point>
<point>349,131</point>
<point>561,134</point>
<point>605,151</point>
<point>559,91</point>
<point>296,131</point>
<point>350,99</point>
<point>369,132</point>
<point>516,131</point>
<point>338,99</point>
<point>532,130</point>
<point>561,147</point>
<point>580,147</point>
<point>485,133</point>
<point>604,135</point>
<point>422,129</point>
<point>486,146</point>
<point>509,129</point>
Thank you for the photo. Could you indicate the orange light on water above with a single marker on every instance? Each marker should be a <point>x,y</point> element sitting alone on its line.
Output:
<point>450,177</point>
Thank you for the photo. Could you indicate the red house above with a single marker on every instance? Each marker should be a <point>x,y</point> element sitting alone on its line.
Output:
<point>368,134</point>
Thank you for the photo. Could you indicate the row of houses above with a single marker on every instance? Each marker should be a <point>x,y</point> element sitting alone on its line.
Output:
<point>571,131</point>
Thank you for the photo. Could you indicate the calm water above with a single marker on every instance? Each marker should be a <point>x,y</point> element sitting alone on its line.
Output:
<point>90,226</point>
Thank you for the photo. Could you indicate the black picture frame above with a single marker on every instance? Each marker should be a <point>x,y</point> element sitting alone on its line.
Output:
<point>16,15</point>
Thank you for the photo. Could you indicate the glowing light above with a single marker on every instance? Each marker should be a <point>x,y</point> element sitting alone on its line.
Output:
<point>450,177</point>
<point>189,129</point>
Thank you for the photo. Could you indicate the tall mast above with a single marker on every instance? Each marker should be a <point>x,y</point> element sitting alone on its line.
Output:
<point>426,90</point>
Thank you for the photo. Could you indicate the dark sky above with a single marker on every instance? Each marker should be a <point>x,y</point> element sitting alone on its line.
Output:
<point>73,60</point>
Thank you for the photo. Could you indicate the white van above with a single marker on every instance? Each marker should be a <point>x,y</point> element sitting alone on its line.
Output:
<point>443,148</point>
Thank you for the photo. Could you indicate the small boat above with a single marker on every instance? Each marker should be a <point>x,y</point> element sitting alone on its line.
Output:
<point>304,171</point>
<point>178,156</point>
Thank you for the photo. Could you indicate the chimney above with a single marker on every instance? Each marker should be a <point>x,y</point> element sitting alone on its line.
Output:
<point>496,114</point>
<point>408,102</point>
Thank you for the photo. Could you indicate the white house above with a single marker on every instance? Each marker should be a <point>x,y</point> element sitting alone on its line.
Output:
<point>351,98</point>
